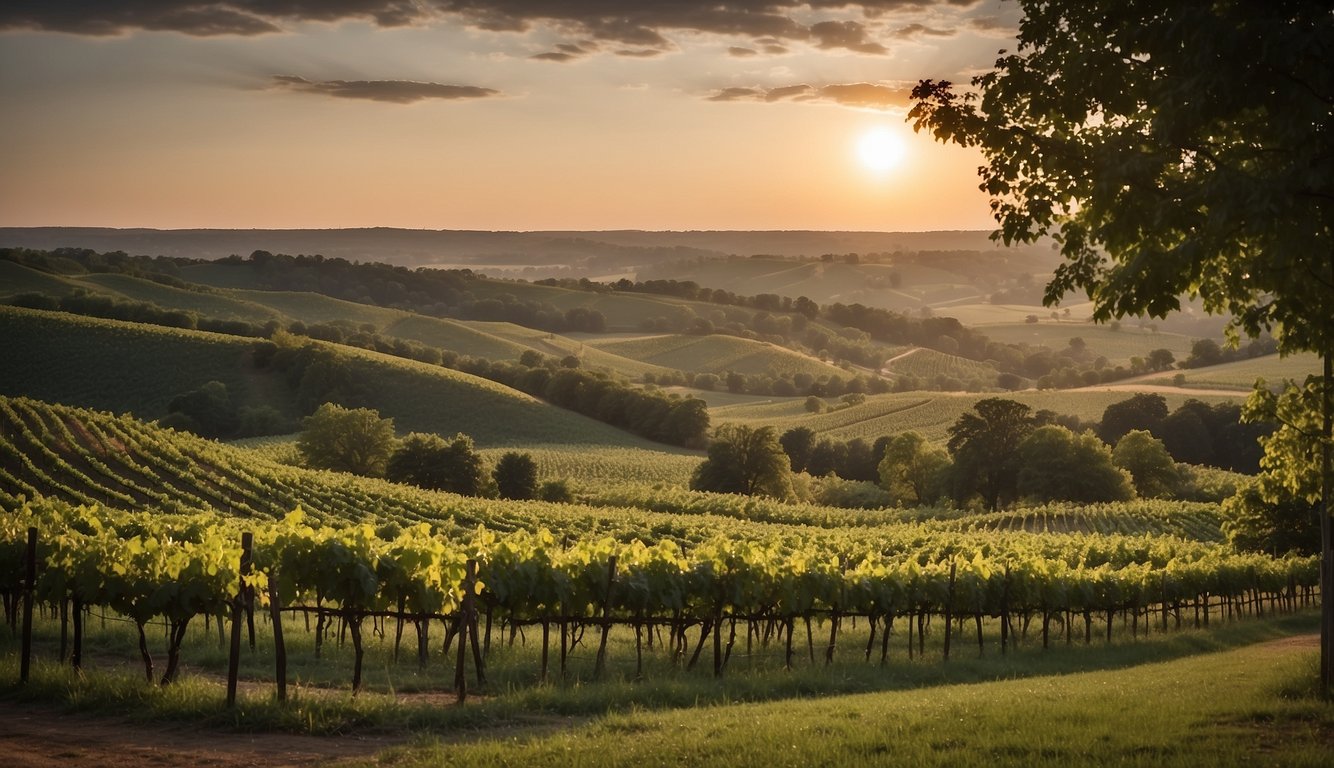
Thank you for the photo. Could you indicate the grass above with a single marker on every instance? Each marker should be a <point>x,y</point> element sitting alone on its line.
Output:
<point>1241,707</point>
<point>113,365</point>
<point>930,413</point>
<point>1241,375</point>
<point>1160,699</point>
<point>1117,346</point>
<point>212,304</point>
<point>719,354</point>
<point>16,279</point>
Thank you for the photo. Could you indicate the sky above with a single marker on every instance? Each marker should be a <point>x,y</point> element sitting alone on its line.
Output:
<point>492,115</point>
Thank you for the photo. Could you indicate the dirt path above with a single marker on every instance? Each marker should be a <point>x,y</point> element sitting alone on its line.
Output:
<point>40,737</point>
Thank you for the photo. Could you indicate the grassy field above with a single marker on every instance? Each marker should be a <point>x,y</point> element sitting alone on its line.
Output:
<point>16,279</point>
<point>1245,706</point>
<point>55,353</point>
<point>1117,346</point>
<point>1242,374</point>
<point>930,413</point>
<point>929,365</point>
<point>1240,694</point>
<point>718,354</point>
<point>211,304</point>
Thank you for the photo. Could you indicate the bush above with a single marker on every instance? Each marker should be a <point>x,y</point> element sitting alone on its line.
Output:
<point>516,476</point>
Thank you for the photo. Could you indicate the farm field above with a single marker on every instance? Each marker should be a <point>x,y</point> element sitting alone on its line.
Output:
<point>1117,346</point>
<point>52,351</point>
<point>1242,374</point>
<point>718,354</point>
<point>930,413</point>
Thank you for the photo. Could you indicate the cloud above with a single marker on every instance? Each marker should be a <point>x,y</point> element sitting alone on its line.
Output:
<point>921,30</point>
<point>738,94</point>
<point>742,53</point>
<point>863,95</point>
<point>393,91</point>
<point>635,26</point>
<point>845,34</point>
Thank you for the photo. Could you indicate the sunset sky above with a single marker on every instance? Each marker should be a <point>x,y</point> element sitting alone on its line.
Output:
<point>467,114</point>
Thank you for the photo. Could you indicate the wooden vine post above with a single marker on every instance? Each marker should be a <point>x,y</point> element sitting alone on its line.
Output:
<point>461,631</point>
<point>29,585</point>
<point>600,665</point>
<point>238,613</point>
<point>949,609</point>
<point>279,645</point>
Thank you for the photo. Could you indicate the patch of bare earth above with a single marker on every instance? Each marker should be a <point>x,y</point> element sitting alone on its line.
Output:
<point>38,737</point>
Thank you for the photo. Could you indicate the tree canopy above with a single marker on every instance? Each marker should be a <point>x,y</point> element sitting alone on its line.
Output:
<point>746,460</point>
<point>984,444</point>
<point>1171,149</point>
<point>347,440</point>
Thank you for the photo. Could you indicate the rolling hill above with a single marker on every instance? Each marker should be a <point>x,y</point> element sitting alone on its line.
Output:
<point>119,366</point>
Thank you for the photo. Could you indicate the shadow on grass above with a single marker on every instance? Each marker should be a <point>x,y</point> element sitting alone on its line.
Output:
<point>515,702</point>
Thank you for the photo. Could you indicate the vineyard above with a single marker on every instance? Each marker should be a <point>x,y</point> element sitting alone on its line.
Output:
<point>931,366</point>
<point>672,569</point>
<point>52,351</point>
<point>928,413</point>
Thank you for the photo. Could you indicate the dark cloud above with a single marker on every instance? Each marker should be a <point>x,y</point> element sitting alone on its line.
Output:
<point>921,30</point>
<point>640,53</point>
<point>565,52</point>
<point>866,95</point>
<point>738,94</point>
<point>870,95</point>
<point>845,34</point>
<point>742,53</point>
<point>639,25</point>
<point>394,91</point>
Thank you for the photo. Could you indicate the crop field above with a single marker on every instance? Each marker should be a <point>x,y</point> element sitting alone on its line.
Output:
<point>927,412</point>
<point>1117,346</point>
<point>16,279</point>
<point>584,346</point>
<point>589,468</point>
<point>317,308</point>
<point>985,315</point>
<point>48,355</point>
<point>719,354</point>
<point>1242,374</point>
<point>473,339</point>
<point>54,350</point>
<point>928,365</point>
<point>213,304</point>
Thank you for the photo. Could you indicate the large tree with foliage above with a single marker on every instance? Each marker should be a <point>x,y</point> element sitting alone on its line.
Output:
<point>913,470</point>
<point>1171,149</point>
<point>1055,464</point>
<point>430,461</point>
<point>516,476</point>
<point>353,440</point>
<point>746,460</point>
<point>984,444</point>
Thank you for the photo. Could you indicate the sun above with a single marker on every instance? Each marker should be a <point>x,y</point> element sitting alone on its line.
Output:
<point>880,150</point>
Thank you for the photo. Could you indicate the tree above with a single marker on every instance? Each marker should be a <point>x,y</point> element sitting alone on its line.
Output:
<point>430,461</point>
<point>1164,163</point>
<point>516,476</point>
<point>1160,359</point>
<point>746,460</point>
<point>913,471</point>
<point>1055,464</point>
<point>1142,411</point>
<point>798,443</point>
<point>207,411</point>
<point>1150,465</point>
<point>353,440</point>
<point>1254,523</point>
<point>984,446</point>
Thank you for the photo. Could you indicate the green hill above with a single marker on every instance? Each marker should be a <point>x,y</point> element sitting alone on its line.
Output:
<point>927,412</point>
<point>207,303</point>
<point>16,279</point>
<point>139,368</point>
<point>929,365</point>
<point>717,353</point>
